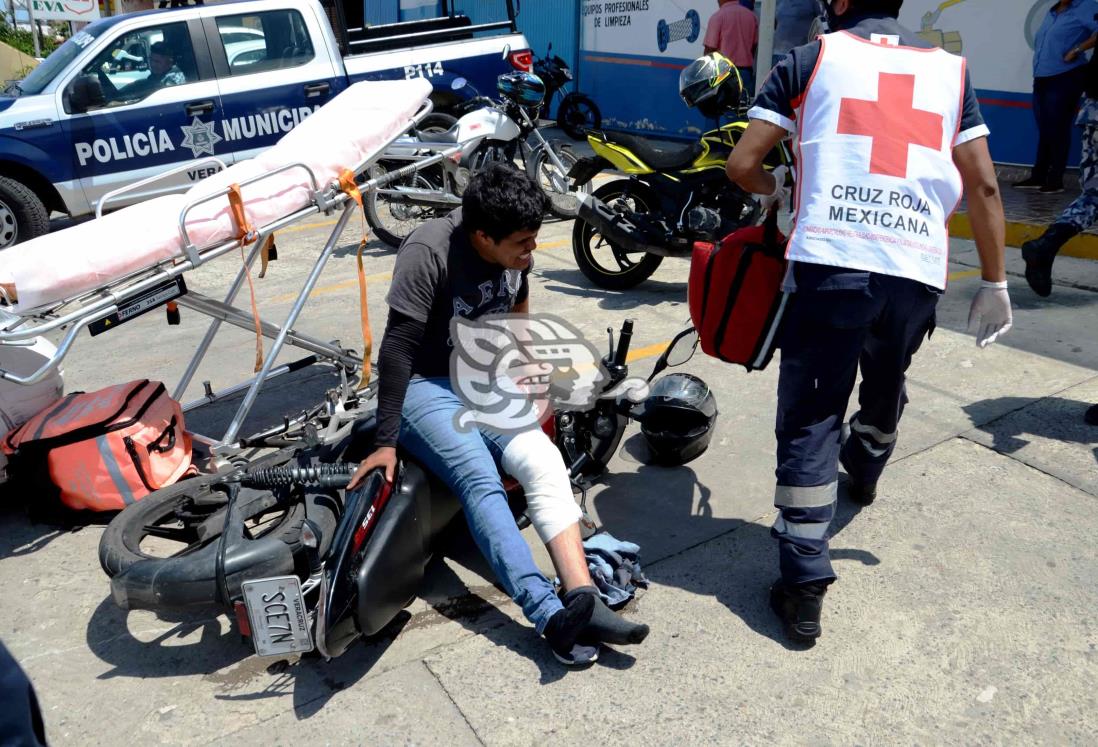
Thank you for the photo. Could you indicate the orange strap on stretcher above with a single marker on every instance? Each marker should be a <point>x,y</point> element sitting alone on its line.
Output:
<point>347,184</point>
<point>246,234</point>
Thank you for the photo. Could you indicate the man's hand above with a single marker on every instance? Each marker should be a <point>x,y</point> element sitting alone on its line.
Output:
<point>990,314</point>
<point>384,457</point>
<point>780,196</point>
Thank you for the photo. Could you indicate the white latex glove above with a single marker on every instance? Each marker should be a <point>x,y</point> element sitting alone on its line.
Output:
<point>990,316</point>
<point>780,195</point>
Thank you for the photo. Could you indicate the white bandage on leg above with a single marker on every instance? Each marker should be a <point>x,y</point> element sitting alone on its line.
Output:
<point>533,460</point>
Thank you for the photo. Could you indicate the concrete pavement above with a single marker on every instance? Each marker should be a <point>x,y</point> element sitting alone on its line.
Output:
<point>962,614</point>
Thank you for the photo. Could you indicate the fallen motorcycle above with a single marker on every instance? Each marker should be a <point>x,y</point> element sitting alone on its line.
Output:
<point>303,563</point>
<point>503,131</point>
<point>671,197</point>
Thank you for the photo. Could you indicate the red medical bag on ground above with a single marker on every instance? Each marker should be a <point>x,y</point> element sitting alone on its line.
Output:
<point>102,450</point>
<point>735,294</point>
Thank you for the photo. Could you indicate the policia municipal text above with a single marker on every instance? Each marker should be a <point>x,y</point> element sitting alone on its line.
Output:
<point>875,108</point>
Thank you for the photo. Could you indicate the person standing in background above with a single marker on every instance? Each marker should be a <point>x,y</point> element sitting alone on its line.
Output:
<point>734,32</point>
<point>793,20</point>
<point>1058,79</point>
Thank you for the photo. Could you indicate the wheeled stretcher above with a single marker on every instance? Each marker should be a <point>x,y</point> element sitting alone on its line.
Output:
<point>115,267</point>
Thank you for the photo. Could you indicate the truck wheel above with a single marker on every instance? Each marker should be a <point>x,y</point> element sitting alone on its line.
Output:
<point>22,214</point>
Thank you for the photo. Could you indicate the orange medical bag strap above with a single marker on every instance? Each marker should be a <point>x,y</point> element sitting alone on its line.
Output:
<point>246,234</point>
<point>347,184</point>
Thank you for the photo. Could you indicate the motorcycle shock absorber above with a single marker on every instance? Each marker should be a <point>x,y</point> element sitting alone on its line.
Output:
<point>336,475</point>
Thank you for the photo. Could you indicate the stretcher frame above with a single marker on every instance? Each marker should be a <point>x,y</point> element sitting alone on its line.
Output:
<point>75,313</point>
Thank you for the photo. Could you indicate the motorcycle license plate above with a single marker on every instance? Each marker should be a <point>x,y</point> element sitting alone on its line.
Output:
<point>277,614</point>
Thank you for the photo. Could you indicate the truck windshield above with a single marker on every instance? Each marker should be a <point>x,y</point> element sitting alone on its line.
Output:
<point>44,74</point>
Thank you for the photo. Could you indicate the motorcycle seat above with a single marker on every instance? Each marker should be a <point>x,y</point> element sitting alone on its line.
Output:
<point>450,136</point>
<point>664,157</point>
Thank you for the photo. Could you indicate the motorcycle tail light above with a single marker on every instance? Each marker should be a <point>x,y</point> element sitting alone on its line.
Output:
<point>242,623</point>
<point>521,60</point>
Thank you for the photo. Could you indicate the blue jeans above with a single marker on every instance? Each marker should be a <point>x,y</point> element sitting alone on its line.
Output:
<point>467,464</point>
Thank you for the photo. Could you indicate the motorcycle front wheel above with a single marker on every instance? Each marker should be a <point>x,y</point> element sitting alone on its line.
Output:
<point>173,533</point>
<point>563,203</point>
<point>392,217</point>
<point>577,114</point>
<point>603,263</point>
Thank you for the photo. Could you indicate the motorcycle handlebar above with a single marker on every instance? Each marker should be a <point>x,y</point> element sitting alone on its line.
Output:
<point>625,336</point>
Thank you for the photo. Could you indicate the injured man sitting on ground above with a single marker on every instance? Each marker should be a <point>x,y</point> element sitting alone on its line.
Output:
<point>474,264</point>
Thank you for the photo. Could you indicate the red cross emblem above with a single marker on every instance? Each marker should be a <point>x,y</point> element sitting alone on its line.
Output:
<point>893,123</point>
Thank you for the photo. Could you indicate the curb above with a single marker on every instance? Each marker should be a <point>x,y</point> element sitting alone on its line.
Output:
<point>1083,246</point>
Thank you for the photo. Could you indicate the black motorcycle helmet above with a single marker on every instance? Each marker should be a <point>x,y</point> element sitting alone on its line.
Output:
<point>835,20</point>
<point>678,418</point>
<point>711,84</point>
<point>525,88</point>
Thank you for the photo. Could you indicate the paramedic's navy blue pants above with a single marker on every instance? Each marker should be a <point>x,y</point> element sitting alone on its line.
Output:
<point>837,321</point>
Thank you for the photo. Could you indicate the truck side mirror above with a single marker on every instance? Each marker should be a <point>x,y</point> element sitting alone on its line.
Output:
<point>84,93</point>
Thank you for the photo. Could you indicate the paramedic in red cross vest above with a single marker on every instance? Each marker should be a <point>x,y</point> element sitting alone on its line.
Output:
<point>888,132</point>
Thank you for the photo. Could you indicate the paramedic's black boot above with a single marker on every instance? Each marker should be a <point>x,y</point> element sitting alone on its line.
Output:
<point>1091,416</point>
<point>799,609</point>
<point>1039,254</point>
<point>564,628</point>
<point>862,493</point>
<point>606,626</point>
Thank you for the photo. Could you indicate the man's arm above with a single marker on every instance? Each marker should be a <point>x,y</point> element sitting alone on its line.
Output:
<point>990,315</point>
<point>745,165</point>
<point>985,206</point>
<point>415,283</point>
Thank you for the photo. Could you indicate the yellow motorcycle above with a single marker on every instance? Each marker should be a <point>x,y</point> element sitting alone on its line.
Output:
<point>671,196</point>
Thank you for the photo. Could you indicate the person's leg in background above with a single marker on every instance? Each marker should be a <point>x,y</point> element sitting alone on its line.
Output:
<point>1041,112</point>
<point>893,339</point>
<point>1063,102</point>
<point>1040,253</point>
<point>821,342</point>
<point>462,460</point>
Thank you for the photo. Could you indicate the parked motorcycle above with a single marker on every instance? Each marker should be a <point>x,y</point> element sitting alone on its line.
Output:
<point>672,196</point>
<point>494,131</point>
<point>577,113</point>
<point>303,563</point>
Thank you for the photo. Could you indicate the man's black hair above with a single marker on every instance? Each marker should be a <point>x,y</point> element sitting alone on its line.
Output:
<point>501,200</point>
<point>161,48</point>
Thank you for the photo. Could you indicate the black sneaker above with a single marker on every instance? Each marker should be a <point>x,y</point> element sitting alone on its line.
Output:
<point>799,609</point>
<point>1029,183</point>
<point>1051,189</point>
<point>1091,416</point>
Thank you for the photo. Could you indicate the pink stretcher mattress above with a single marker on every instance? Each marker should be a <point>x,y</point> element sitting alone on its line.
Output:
<point>342,134</point>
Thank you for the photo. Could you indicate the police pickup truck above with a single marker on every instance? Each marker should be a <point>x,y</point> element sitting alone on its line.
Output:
<point>131,96</point>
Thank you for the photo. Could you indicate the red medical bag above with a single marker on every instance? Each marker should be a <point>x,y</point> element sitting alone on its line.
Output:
<point>735,294</point>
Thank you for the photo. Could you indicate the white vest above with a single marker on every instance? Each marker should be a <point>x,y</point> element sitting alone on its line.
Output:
<point>876,182</point>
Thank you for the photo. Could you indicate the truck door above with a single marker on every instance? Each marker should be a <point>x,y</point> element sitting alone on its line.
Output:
<point>273,70</point>
<point>147,102</point>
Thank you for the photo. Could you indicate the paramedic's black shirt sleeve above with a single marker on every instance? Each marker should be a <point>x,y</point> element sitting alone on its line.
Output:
<point>402,339</point>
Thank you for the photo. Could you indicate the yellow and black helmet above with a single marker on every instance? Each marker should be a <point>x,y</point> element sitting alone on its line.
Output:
<point>711,84</point>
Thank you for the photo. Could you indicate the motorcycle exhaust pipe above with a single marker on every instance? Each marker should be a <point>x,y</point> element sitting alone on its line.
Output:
<point>619,229</point>
<point>427,197</point>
